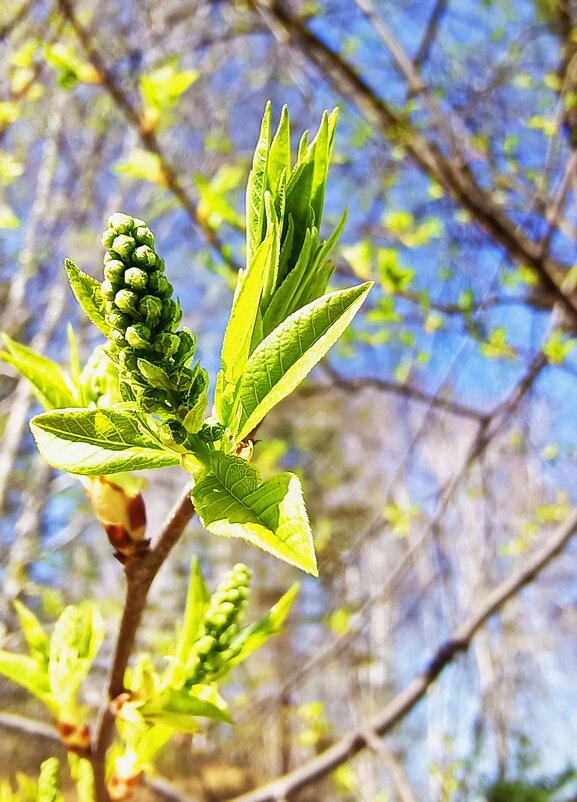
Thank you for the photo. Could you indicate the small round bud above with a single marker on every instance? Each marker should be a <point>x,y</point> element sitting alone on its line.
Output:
<point>144,236</point>
<point>144,256</point>
<point>126,301</point>
<point>118,320</point>
<point>135,278</point>
<point>108,237</point>
<point>114,271</point>
<point>151,309</point>
<point>108,290</point>
<point>118,338</point>
<point>138,336</point>
<point>171,313</point>
<point>159,264</point>
<point>128,360</point>
<point>123,245</point>
<point>166,344</point>
<point>205,645</point>
<point>186,347</point>
<point>122,223</point>
<point>158,284</point>
<point>226,608</point>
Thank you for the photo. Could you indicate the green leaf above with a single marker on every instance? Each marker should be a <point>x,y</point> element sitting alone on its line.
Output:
<point>240,327</point>
<point>196,603</point>
<point>279,159</point>
<point>26,672</point>
<point>44,375</point>
<point>88,294</point>
<point>96,442</point>
<point>74,644</point>
<point>289,353</point>
<point>230,501</point>
<point>256,187</point>
<point>32,630</point>
<point>177,707</point>
<point>254,636</point>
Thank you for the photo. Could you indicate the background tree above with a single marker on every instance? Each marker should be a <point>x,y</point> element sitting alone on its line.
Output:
<point>438,461</point>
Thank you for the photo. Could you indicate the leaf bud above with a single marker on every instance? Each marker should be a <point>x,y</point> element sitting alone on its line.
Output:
<point>158,284</point>
<point>122,223</point>
<point>135,278</point>
<point>144,236</point>
<point>138,336</point>
<point>126,301</point>
<point>123,245</point>
<point>166,343</point>
<point>150,308</point>
<point>144,256</point>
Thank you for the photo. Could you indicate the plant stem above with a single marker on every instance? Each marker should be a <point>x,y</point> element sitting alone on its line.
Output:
<point>140,573</point>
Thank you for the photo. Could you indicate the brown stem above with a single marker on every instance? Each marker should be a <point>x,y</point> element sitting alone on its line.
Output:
<point>140,572</point>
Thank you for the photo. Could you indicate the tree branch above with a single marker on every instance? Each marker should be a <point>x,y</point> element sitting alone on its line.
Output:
<point>363,736</point>
<point>452,174</point>
<point>140,573</point>
<point>147,136</point>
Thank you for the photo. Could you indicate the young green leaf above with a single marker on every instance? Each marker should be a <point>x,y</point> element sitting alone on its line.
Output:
<point>256,187</point>
<point>45,376</point>
<point>177,707</point>
<point>254,636</point>
<point>96,442</point>
<point>196,603</point>
<point>32,630</point>
<point>289,353</point>
<point>230,501</point>
<point>88,294</point>
<point>25,671</point>
<point>76,639</point>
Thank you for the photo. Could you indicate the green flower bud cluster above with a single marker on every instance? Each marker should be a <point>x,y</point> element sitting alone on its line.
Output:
<point>143,318</point>
<point>215,649</point>
<point>49,781</point>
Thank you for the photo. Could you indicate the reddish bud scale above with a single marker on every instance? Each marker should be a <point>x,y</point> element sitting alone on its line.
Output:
<point>122,516</point>
<point>76,737</point>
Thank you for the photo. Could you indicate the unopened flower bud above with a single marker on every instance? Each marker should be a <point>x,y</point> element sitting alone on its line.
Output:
<point>171,313</point>
<point>128,360</point>
<point>138,336</point>
<point>150,308</point>
<point>118,320</point>
<point>122,223</point>
<point>126,301</point>
<point>123,245</point>
<point>114,271</point>
<point>135,278</point>
<point>166,343</point>
<point>108,290</point>
<point>118,338</point>
<point>144,236</point>
<point>150,400</point>
<point>158,284</point>
<point>144,256</point>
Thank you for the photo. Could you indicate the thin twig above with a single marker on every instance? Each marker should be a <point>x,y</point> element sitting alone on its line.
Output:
<point>147,136</point>
<point>363,736</point>
<point>140,573</point>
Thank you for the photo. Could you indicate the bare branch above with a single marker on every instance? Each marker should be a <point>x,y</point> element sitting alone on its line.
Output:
<point>453,175</point>
<point>147,136</point>
<point>140,573</point>
<point>362,737</point>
